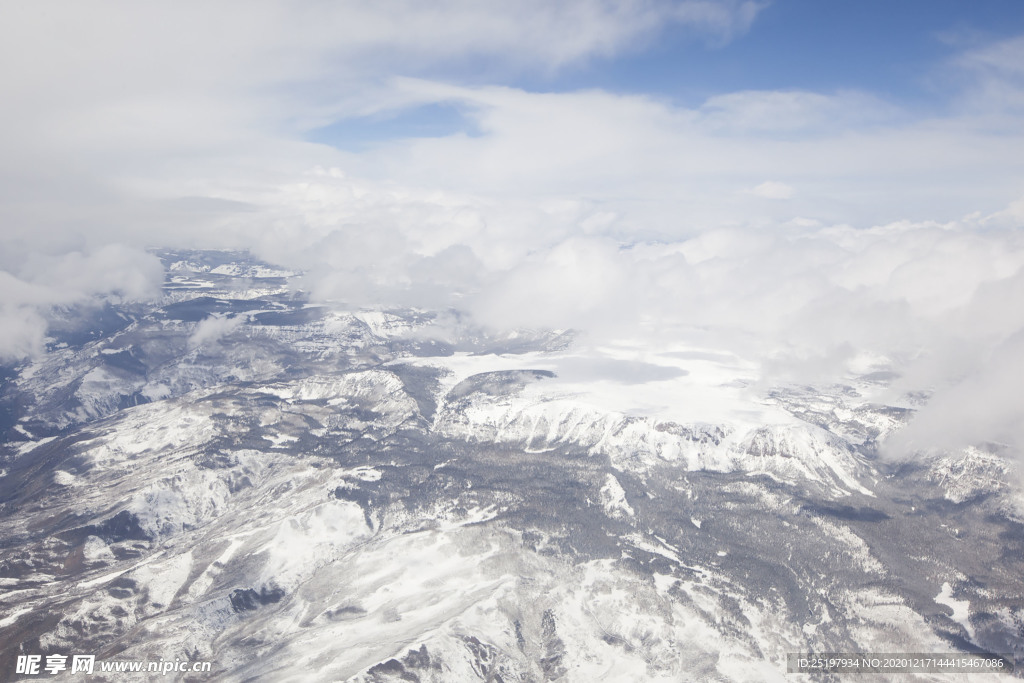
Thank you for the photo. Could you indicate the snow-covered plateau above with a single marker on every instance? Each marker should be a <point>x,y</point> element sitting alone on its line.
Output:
<point>302,492</point>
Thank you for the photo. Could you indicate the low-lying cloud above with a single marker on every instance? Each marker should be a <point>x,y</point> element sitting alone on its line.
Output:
<point>935,305</point>
<point>212,329</point>
<point>29,290</point>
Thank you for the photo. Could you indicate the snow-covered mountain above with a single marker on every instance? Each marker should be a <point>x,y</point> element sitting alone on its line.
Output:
<point>233,475</point>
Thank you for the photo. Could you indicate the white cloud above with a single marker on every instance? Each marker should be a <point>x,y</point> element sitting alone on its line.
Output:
<point>212,329</point>
<point>981,407</point>
<point>42,281</point>
<point>123,108</point>
<point>811,302</point>
<point>930,302</point>
<point>721,20</point>
<point>772,189</point>
<point>180,124</point>
<point>781,112</point>
<point>22,331</point>
<point>994,78</point>
<point>675,170</point>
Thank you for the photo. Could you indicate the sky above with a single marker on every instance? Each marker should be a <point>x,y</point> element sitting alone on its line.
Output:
<point>824,188</point>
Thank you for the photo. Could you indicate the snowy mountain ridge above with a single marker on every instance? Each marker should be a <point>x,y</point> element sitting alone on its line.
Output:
<point>341,492</point>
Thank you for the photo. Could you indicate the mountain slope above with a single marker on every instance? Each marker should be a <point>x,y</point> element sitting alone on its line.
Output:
<point>307,489</point>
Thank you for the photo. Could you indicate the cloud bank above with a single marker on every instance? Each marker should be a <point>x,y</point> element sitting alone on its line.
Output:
<point>819,233</point>
<point>42,282</point>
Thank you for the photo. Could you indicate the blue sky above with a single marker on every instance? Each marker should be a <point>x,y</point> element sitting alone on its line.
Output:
<point>902,52</point>
<point>885,47</point>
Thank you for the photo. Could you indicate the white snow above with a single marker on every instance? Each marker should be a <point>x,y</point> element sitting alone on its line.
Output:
<point>249,270</point>
<point>310,539</point>
<point>215,568</point>
<point>703,420</point>
<point>280,440</point>
<point>163,579</point>
<point>383,324</point>
<point>64,478</point>
<point>96,549</point>
<point>13,616</point>
<point>106,578</point>
<point>363,473</point>
<point>31,445</point>
<point>961,608</point>
<point>613,499</point>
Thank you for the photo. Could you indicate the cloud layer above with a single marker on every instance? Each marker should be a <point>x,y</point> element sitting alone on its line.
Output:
<point>820,233</point>
<point>43,281</point>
